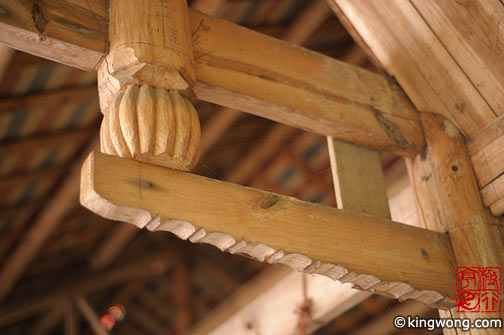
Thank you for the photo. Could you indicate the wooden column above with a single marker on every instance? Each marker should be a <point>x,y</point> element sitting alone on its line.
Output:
<point>449,201</point>
<point>145,84</point>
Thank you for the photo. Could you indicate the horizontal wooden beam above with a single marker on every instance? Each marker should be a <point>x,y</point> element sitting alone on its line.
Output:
<point>347,246</point>
<point>309,91</point>
<point>50,99</point>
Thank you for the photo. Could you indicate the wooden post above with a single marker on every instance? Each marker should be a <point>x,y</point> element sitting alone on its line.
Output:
<point>145,83</point>
<point>449,201</point>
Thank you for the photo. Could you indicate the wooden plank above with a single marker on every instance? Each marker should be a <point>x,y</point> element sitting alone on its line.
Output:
<point>358,178</point>
<point>486,149</point>
<point>493,193</point>
<point>41,228</point>
<point>470,31</point>
<point>311,91</point>
<point>264,221</point>
<point>409,50</point>
<point>90,315</point>
<point>268,86</point>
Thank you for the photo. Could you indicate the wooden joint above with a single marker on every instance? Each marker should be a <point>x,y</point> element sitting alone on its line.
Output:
<point>144,83</point>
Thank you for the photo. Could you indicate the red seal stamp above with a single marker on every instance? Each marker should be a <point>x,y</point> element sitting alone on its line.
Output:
<point>478,289</point>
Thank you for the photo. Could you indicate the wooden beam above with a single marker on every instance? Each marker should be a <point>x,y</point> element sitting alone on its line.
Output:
<point>415,44</point>
<point>86,284</point>
<point>6,54</point>
<point>76,137</point>
<point>449,201</point>
<point>251,309</point>
<point>42,227</point>
<point>300,31</point>
<point>71,319</point>
<point>486,152</point>
<point>49,99</point>
<point>264,221</point>
<point>311,91</point>
<point>182,298</point>
<point>90,315</point>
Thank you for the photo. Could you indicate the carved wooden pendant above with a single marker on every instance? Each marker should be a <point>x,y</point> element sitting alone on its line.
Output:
<point>152,125</point>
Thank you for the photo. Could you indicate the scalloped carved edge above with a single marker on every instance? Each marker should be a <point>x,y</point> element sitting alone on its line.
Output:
<point>90,199</point>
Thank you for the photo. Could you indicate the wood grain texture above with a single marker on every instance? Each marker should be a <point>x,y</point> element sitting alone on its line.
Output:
<point>311,91</point>
<point>70,32</point>
<point>159,198</point>
<point>449,201</point>
<point>408,49</point>
<point>152,125</point>
<point>150,44</point>
<point>471,32</point>
<point>358,178</point>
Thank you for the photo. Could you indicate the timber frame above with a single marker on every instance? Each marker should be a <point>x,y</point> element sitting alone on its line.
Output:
<point>318,94</point>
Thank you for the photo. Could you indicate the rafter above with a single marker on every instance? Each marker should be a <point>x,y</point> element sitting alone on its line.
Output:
<point>311,91</point>
<point>41,228</point>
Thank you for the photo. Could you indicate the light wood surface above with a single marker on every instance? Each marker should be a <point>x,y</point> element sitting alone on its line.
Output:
<point>159,198</point>
<point>449,201</point>
<point>311,91</point>
<point>411,48</point>
<point>358,178</point>
<point>150,44</point>
<point>486,149</point>
<point>152,125</point>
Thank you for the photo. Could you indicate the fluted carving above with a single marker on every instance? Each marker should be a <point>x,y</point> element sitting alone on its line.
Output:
<point>152,125</point>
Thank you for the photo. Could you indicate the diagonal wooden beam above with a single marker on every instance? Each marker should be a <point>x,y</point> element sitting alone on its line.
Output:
<point>90,315</point>
<point>439,64</point>
<point>42,227</point>
<point>310,91</point>
<point>85,284</point>
<point>259,301</point>
<point>253,222</point>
